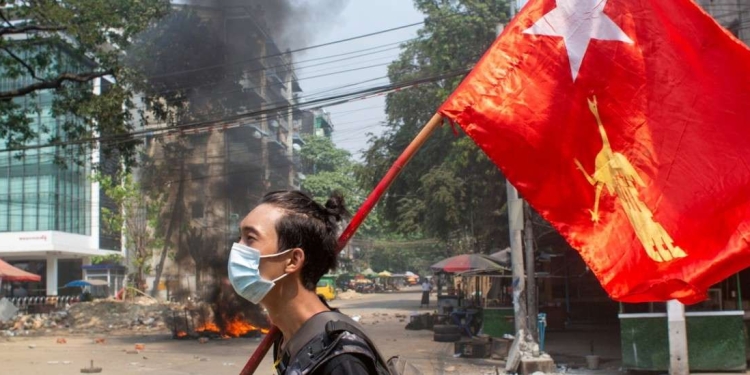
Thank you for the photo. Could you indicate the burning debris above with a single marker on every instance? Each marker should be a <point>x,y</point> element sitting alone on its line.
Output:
<point>226,316</point>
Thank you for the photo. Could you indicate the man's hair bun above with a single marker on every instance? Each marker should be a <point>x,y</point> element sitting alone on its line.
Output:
<point>336,207</point>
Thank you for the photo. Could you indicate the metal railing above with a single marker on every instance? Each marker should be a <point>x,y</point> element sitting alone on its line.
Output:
<point>40,304</point>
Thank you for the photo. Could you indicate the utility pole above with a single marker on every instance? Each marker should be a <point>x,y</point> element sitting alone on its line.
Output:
<point>515,221</point>
<point>531,294</point>
<point>515,225</point>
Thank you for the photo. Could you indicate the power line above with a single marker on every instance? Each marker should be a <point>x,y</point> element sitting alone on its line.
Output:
<point>292,51</point>
<point>329,101</point>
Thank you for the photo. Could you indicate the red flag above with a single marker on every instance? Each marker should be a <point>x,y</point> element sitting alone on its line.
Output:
<point>624,123</point>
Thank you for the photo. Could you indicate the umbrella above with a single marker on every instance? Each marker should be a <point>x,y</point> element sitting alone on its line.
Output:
<point>411,274</point>
<point>385,274</point>
<point>467,262</point>
<point>84,283</point>
<point>10,273</point>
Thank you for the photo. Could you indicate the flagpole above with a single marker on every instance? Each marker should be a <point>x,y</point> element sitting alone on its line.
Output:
<point>411,150</point>
<point>678,346</point>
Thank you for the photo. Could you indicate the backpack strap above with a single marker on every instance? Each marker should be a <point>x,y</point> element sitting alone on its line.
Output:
<point>318,336</point>
<point>347,324</point>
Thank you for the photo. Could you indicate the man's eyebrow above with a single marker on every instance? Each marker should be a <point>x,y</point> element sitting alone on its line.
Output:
<point>249,229</point>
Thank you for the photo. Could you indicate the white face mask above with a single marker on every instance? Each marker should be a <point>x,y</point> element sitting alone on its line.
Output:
<point>245,275</point>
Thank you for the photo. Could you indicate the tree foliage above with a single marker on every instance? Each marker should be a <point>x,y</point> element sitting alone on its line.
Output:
<point>51,51</point>
<point>450,190</point>
<point>136,217</point>
<point>328,169</point>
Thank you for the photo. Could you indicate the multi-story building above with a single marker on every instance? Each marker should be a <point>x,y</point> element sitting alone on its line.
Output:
<point>49,205</point>
<point>231,164</point>
<point>313,122</point>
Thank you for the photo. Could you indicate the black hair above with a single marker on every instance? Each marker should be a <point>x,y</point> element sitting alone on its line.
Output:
<point>310,226</point>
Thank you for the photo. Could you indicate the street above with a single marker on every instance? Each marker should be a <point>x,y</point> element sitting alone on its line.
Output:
<point>163,355</point>
<point>378,312</point>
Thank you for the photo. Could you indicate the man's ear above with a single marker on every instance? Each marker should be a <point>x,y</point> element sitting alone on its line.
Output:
<point>295,261</point>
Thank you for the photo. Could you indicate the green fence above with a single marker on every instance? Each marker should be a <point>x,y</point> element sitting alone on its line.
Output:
<point>716,341</point>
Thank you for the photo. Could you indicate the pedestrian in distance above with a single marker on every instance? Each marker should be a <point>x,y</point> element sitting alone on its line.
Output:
<point>426,289</point>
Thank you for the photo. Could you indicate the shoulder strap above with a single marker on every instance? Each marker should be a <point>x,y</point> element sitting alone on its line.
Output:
<point>327,324</point>
<point>312,328</point>
<point>343,323</point>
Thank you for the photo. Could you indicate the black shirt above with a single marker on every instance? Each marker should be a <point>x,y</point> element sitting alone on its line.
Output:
<point>345,364</point>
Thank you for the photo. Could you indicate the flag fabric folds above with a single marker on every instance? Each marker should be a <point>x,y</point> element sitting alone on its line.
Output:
<point>626,125</point>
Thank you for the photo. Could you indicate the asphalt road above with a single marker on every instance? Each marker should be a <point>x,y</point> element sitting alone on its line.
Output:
<point>162,355</point>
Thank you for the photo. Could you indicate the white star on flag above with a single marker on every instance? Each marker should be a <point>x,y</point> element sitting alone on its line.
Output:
<point>577,22</point>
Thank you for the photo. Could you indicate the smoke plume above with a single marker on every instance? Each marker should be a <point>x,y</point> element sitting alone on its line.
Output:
<point>294,23</point>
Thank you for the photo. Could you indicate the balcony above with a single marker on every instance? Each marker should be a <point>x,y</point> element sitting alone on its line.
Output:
<point>243,143</point>
<point>273,76</point>
<point>281,121</point>
<point>252,88</point>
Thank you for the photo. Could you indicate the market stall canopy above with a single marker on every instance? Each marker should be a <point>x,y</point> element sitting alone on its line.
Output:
<point>467,262</point>
<point>411,274</point>
<point>10,273</point>
<point>369,272</point>
<point>84,283</point>
<point>385,274</point>
<point>502,256</point>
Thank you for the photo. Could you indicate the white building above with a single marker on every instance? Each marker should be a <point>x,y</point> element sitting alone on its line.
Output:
<point>50,212</point>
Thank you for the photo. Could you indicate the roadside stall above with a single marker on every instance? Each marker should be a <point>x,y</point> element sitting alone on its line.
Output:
<point>17,294</point>
<point>465,301</point>
<point>411,278</point>
<point>387,281</point>
<point>90,288</point>
<point>12,274</point>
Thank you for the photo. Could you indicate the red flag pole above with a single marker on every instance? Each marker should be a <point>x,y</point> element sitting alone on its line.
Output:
<point>265,345</point>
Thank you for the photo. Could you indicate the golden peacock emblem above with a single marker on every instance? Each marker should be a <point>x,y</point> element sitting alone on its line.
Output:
<point>614,171</point>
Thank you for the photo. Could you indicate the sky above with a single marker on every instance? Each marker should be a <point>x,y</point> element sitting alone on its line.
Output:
<point>353,120</point>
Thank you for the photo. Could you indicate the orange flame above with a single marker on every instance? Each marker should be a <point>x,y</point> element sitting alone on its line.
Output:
<point>235,328</point>
<point>181,334</point>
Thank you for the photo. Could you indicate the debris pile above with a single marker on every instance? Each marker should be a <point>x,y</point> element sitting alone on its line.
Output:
<point>104,315</point>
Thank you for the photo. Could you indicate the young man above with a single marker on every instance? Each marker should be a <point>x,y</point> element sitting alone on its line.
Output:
<point>287,243</point>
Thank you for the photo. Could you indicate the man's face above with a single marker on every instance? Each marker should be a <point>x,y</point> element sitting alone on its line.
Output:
<point>258,230</point>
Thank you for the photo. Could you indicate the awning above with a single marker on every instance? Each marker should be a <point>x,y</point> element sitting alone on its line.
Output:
<point>10,273</point>
<point>467,262</point>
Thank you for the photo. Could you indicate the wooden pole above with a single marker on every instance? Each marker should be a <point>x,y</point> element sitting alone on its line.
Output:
<point>359,217</point>
<point>678,346</point>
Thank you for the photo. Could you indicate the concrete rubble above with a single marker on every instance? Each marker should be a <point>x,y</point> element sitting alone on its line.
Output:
<point>99,316</point>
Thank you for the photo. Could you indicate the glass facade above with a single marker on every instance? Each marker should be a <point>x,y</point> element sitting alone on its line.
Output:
<point>36,193</point>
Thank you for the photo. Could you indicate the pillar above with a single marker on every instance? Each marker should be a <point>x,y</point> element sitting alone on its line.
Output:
<point>51,275</point>
<point>678,346</point>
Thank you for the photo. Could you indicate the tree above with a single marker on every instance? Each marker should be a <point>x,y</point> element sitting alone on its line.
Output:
<point>51,51</point>
<point>135,217</point>
<point>450,190</point>
<point>328,169</point>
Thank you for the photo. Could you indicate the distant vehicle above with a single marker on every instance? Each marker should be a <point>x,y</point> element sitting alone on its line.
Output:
<point>326,289</point>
